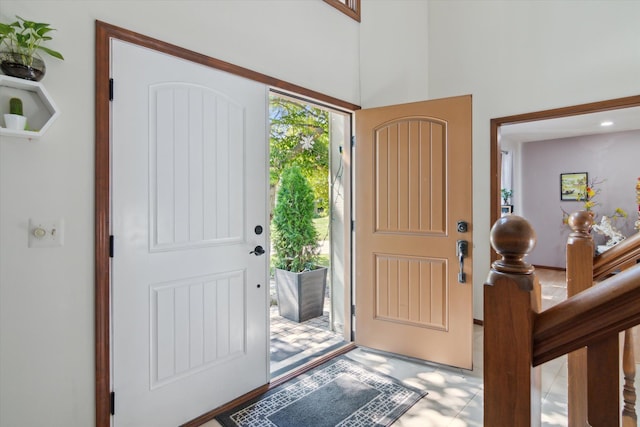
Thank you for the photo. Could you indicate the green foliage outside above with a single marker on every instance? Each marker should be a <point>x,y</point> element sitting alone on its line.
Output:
<point>299,135</point>
<point>322,229</point>
<point>295,239</point>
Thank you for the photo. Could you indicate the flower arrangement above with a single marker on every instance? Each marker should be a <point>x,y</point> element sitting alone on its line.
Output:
<point>587,193</point>
<point>606,224</point>
<point>637,224</point>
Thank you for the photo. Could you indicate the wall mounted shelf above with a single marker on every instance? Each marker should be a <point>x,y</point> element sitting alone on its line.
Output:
<point>38,106</point>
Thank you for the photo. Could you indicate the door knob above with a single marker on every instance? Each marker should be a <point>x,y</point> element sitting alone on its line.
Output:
<point>258,250</point>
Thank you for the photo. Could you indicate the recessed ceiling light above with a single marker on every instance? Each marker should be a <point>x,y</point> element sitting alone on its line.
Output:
<point>606,123</point>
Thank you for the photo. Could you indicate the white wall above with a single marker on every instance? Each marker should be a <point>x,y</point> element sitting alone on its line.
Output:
<point>521,56</point>
<point>393,52</point>
<point>46,295</point>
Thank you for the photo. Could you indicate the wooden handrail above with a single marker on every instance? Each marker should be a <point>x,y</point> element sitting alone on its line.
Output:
<point>518,337</point>
<point>606,309</point>
<point>624,252</point>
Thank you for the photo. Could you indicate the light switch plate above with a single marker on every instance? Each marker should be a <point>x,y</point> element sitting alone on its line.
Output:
<point>46,233</point>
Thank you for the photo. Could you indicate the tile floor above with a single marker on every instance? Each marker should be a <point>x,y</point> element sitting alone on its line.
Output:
<point>304,340</point>
<point>455,396</point>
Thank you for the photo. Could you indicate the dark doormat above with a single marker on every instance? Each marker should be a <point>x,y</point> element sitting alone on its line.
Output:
<point>341,392</point>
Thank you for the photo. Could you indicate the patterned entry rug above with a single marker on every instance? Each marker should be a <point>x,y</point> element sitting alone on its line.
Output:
<point>341,392</point>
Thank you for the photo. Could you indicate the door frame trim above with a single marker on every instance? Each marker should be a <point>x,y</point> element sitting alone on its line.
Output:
<point>574,110</point>
<point>104,32</point>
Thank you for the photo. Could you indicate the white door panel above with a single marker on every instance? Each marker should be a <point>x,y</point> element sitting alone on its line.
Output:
<point>189,184</point>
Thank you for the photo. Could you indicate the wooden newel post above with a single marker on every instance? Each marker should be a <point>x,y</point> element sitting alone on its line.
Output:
<point>580,250</point>
<point>593,373</point>
<point>511,302</point>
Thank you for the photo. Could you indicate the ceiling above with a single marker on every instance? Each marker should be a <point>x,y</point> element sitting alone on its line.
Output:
<point>585,124</point>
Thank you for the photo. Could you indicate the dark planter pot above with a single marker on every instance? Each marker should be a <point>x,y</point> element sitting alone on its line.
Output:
<point>301,295</point>
<point>13,64</point>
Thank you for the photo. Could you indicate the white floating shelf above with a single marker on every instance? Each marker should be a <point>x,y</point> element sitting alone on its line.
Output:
<point>38,106</point>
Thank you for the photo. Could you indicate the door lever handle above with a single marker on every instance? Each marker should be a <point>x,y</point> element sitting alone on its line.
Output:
<point>258,250</point>
<point>462,248</point>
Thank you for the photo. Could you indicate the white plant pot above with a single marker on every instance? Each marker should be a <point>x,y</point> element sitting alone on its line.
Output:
<point>15,121</point>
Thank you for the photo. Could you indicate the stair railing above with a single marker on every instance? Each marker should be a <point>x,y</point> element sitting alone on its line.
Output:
<point>518,337</point>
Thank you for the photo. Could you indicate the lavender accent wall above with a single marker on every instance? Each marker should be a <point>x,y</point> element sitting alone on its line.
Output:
<point>613,158</point>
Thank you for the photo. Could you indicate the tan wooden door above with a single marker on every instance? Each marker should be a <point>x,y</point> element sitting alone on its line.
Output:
<point>413,185</point>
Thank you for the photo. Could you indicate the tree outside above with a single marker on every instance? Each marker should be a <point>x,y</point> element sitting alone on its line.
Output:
<point>299,135</point>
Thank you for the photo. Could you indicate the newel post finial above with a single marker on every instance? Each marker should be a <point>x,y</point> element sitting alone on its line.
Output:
<point>512,237</point>
<point>581,223</point>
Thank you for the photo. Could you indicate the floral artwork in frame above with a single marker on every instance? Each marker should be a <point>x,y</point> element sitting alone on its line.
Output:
<point>572,186</point>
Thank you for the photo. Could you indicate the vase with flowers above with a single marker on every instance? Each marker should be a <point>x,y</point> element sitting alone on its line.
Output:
<point>606,224</point>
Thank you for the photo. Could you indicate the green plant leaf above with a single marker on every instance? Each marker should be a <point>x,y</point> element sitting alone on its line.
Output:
<point>25,37</point>
<point>51,52</point>
<point>6,29</point>
<point>42,31</point>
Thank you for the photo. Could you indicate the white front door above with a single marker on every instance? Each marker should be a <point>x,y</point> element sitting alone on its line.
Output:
<point>189,185</point>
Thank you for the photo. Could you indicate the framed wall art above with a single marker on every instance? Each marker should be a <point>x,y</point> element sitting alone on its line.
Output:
<point>572,186</point>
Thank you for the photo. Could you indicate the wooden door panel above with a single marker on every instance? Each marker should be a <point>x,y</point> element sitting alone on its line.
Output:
<point>411,290</point>
<point>410,177</point>
<point>413,181</point>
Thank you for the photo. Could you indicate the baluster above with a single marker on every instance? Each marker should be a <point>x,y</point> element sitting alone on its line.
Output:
<point>511,301</point>
<point>629,417</point>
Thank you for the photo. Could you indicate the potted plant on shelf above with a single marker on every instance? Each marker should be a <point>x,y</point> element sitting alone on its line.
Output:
<point>15,120</point>
<point>506,195</point>
<point>300,283</point>
<point>20,43</point>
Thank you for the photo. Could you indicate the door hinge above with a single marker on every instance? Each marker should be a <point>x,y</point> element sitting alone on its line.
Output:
<point>112,402</point>
<point>353,225</point>
<point>353,140</point>
<point>110,89</point>
<point>111,243</point>
<point>353,315</point>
